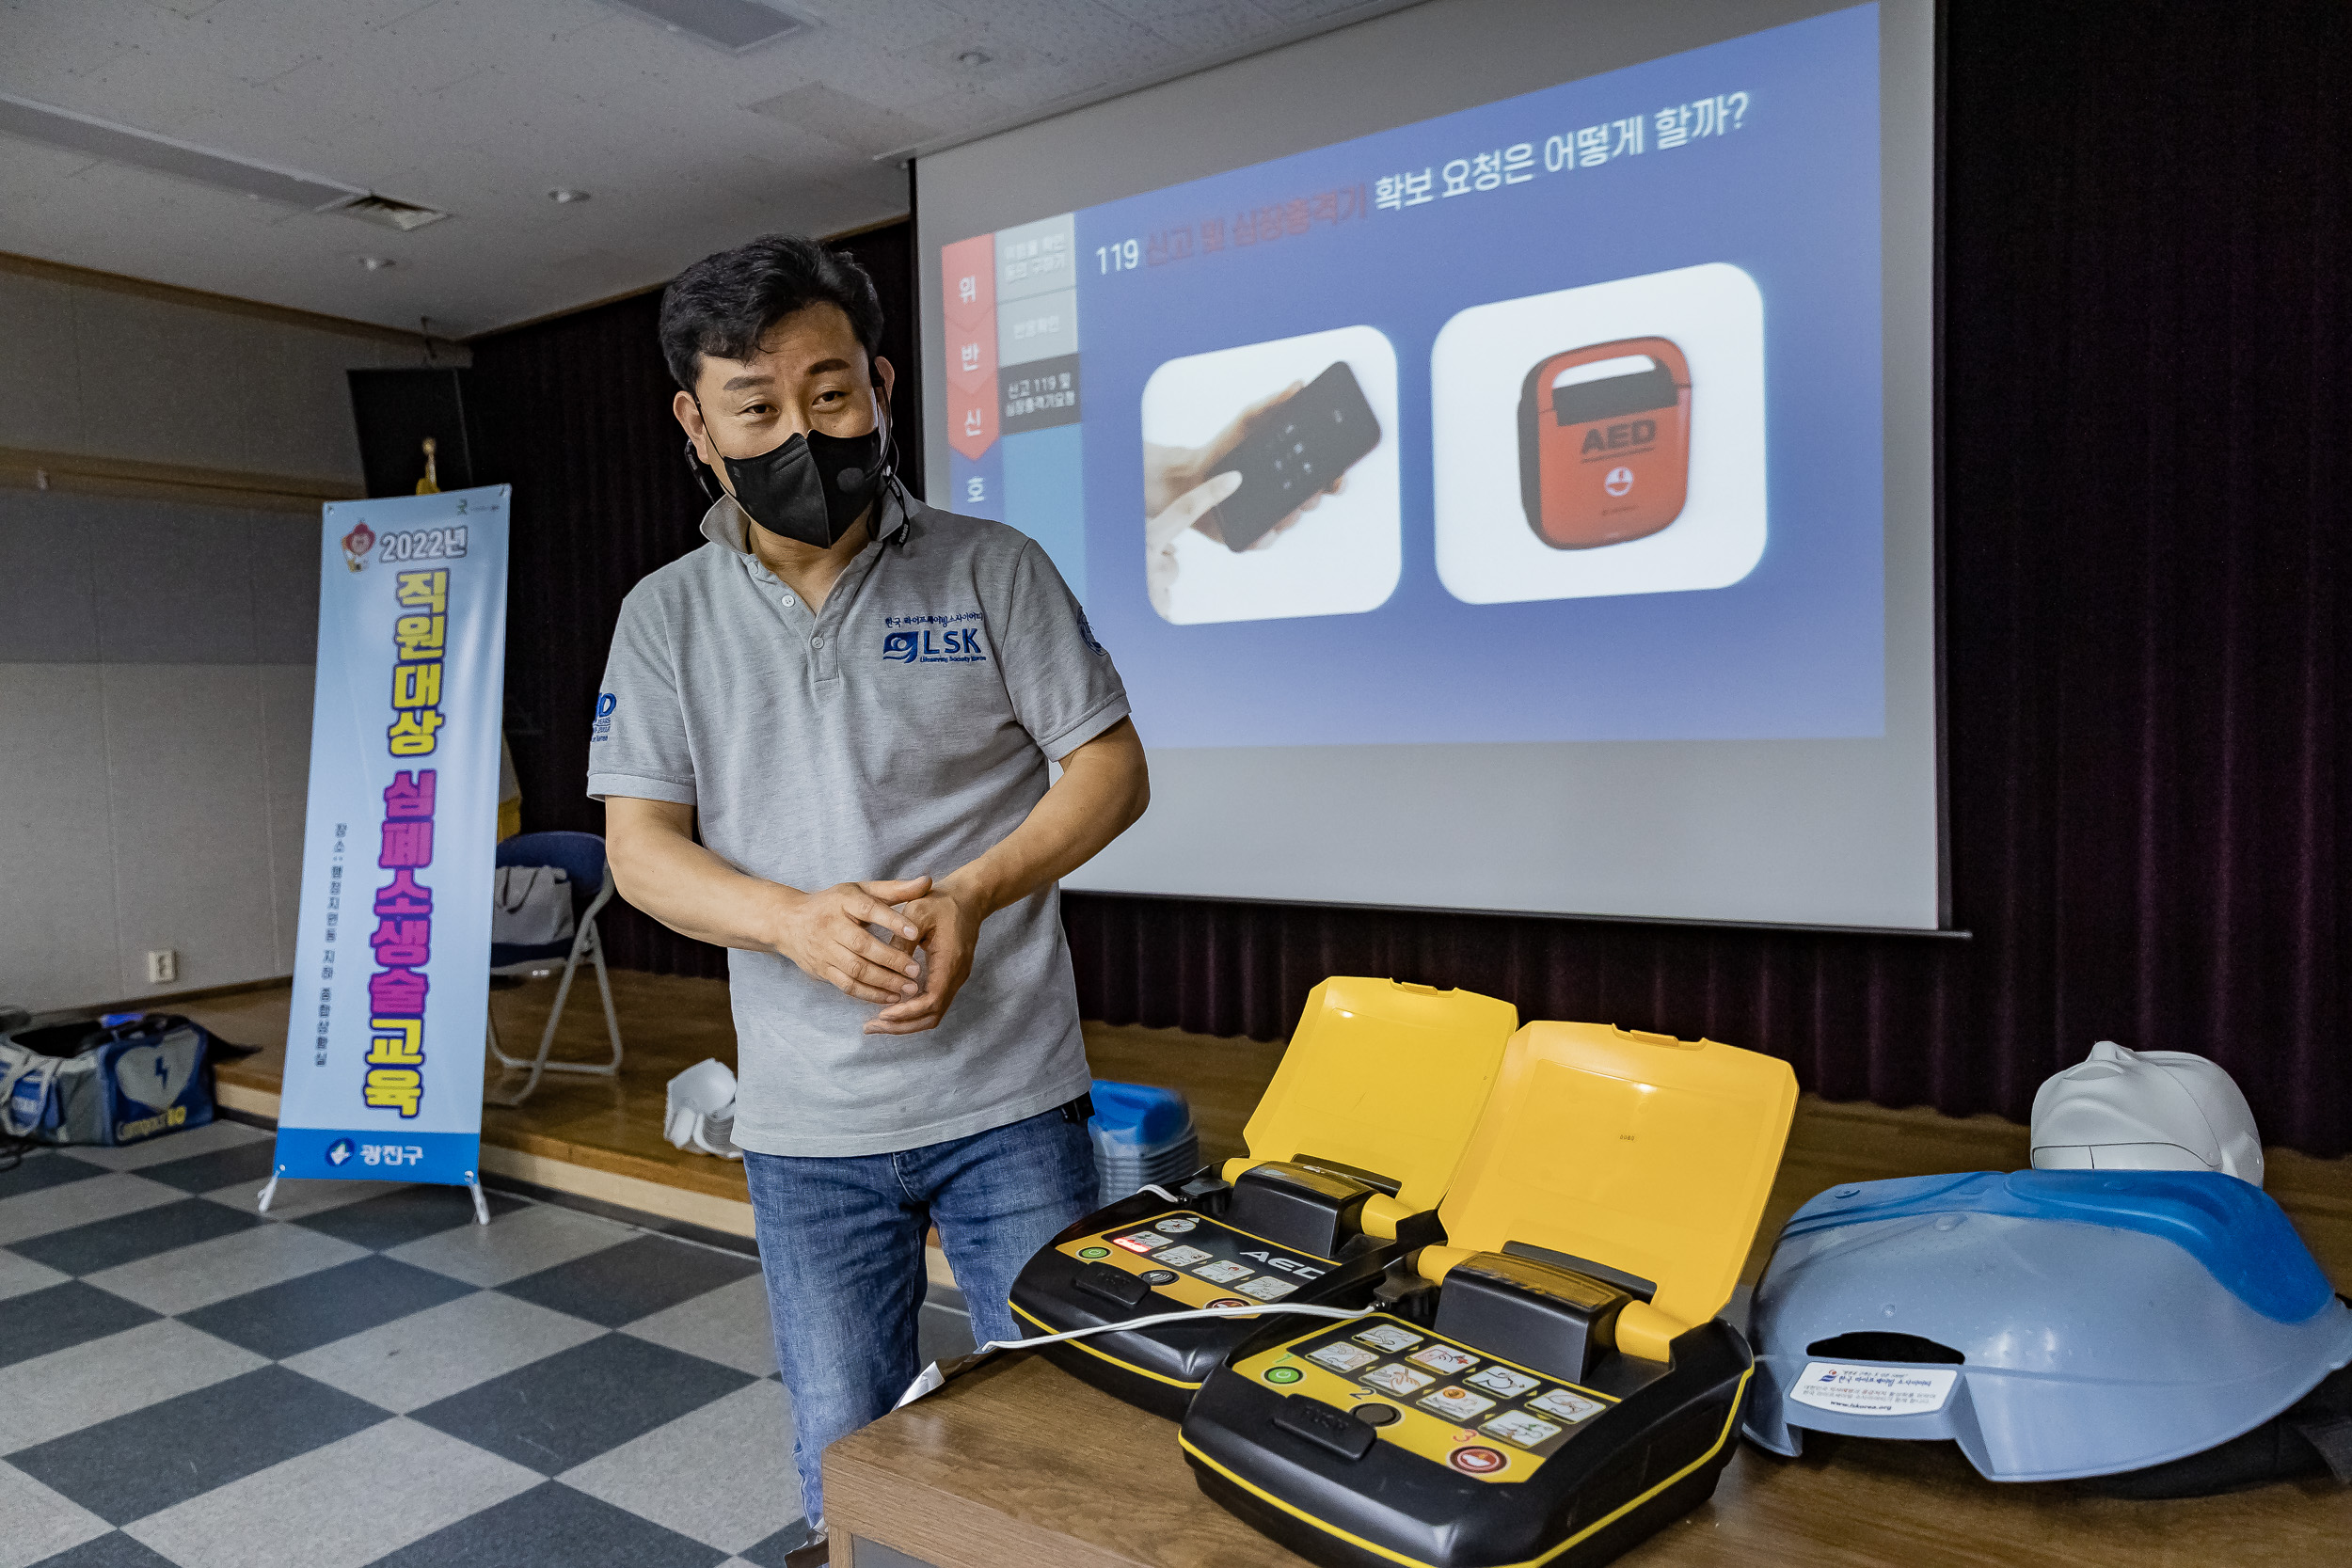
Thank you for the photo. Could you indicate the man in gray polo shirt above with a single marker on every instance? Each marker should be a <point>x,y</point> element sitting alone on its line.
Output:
<point>823,742</point>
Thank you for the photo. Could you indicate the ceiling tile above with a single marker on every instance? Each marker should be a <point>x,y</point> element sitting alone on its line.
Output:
<point>481,106</point>
<point>852,122</point>
<point>1210,26</point>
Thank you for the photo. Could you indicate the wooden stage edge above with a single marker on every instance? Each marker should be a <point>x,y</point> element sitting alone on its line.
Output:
<point>600,1138</point>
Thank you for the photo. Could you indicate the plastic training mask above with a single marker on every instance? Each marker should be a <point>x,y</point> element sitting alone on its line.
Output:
<point>811,488</point>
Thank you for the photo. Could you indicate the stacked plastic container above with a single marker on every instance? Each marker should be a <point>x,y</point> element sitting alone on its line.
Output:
<point>1143,1136</point>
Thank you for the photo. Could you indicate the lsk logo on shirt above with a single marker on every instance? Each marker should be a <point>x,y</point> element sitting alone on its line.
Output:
<point>934,639</point>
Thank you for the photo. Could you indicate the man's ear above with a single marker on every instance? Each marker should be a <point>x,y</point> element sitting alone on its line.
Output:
<point>690,416</point>
<point>889,379</point>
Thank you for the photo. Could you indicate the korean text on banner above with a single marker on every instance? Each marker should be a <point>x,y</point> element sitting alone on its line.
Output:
<point>391,970</point>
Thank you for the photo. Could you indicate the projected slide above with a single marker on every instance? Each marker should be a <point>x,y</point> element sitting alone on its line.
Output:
<point>1553,420</point>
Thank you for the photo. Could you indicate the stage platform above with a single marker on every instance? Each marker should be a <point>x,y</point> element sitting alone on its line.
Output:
<point>600,1138</point>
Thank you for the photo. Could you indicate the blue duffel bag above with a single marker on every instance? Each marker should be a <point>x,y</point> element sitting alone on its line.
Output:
<point>122,1079</point>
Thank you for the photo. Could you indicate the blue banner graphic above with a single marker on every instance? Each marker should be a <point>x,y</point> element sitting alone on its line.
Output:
<point>384,1044</point>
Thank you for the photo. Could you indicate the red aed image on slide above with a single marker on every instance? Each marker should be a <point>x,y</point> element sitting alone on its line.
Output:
<point>1605,442</point>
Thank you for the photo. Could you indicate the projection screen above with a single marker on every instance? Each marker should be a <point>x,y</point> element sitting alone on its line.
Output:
<point>1496,443</point>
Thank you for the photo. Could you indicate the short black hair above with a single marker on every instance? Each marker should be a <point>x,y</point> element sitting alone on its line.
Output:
<point>724,303</point>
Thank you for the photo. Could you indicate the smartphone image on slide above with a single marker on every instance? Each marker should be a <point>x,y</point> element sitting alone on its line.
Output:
<point>1274,426</point>
<point>1299,448</point>
<point>1605,442</point>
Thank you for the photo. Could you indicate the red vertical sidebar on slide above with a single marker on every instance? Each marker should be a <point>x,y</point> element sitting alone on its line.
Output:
<point>968,280</point>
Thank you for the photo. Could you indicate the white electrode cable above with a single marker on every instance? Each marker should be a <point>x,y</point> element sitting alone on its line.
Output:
<point>931,1377</point>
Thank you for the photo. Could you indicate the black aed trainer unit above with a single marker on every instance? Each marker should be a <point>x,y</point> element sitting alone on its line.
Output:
<point>1351,1148</point>
<point>1552,1384</point>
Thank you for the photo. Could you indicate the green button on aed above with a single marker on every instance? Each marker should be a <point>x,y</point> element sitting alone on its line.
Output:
<point>1094,1252</point>
<point>1283,1374</point>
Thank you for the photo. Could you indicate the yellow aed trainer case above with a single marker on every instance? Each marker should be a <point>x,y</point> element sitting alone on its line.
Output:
<point>1352,1146</point>
<point>1550,1384</point>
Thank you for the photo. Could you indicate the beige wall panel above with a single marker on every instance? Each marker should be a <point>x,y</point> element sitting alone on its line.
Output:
<point>191,827</point>
<point>40,396</point>
<point>285,691</point>
<point>57,941</point>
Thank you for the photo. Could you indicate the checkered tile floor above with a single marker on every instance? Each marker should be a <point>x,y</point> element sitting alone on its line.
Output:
<point>364,1375</point>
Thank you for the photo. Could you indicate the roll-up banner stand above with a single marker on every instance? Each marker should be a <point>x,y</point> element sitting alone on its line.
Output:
<point>392,986</point>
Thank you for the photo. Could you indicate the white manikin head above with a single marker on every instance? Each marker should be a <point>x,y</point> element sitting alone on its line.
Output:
<point>2145,1110</point>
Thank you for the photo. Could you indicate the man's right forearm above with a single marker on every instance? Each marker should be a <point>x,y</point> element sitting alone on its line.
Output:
<point>828,932</point>
<point>657,866</point>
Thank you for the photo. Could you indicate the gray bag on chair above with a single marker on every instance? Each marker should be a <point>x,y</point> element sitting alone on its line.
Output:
<point>531,906</point>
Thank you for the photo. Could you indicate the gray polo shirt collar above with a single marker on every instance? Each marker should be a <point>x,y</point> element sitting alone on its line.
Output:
<point>725,524</point>
<point>818,630</point>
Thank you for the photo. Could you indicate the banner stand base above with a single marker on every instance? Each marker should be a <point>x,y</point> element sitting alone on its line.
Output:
<point>473,1185</point>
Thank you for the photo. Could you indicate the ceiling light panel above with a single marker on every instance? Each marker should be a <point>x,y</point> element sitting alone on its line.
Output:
<point>123,144</point>
<point>734,25</point>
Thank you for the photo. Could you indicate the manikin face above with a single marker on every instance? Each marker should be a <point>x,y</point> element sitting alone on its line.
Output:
<point>809,374</point>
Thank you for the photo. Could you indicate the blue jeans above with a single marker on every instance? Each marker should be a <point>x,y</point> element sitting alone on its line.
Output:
<point>841,1241</point>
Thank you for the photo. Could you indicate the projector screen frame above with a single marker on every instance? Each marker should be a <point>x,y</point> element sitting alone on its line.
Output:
<point>1779,927</point>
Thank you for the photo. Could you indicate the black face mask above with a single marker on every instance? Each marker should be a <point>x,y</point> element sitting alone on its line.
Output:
<point>812,488</point>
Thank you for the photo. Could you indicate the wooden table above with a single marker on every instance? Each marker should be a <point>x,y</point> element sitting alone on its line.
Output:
<point>1019,1464</point>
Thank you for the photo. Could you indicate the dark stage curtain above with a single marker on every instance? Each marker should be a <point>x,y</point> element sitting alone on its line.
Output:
<point>577,416</point>
<point>2145,345</point>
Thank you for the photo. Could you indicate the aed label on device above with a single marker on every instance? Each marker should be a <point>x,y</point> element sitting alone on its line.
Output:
<point>1873,1390</point>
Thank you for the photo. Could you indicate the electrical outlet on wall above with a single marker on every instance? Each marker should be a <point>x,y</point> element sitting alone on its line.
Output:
<point>163,965</point>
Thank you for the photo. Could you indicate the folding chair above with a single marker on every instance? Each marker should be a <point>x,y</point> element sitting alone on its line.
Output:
<point>580,857</point>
